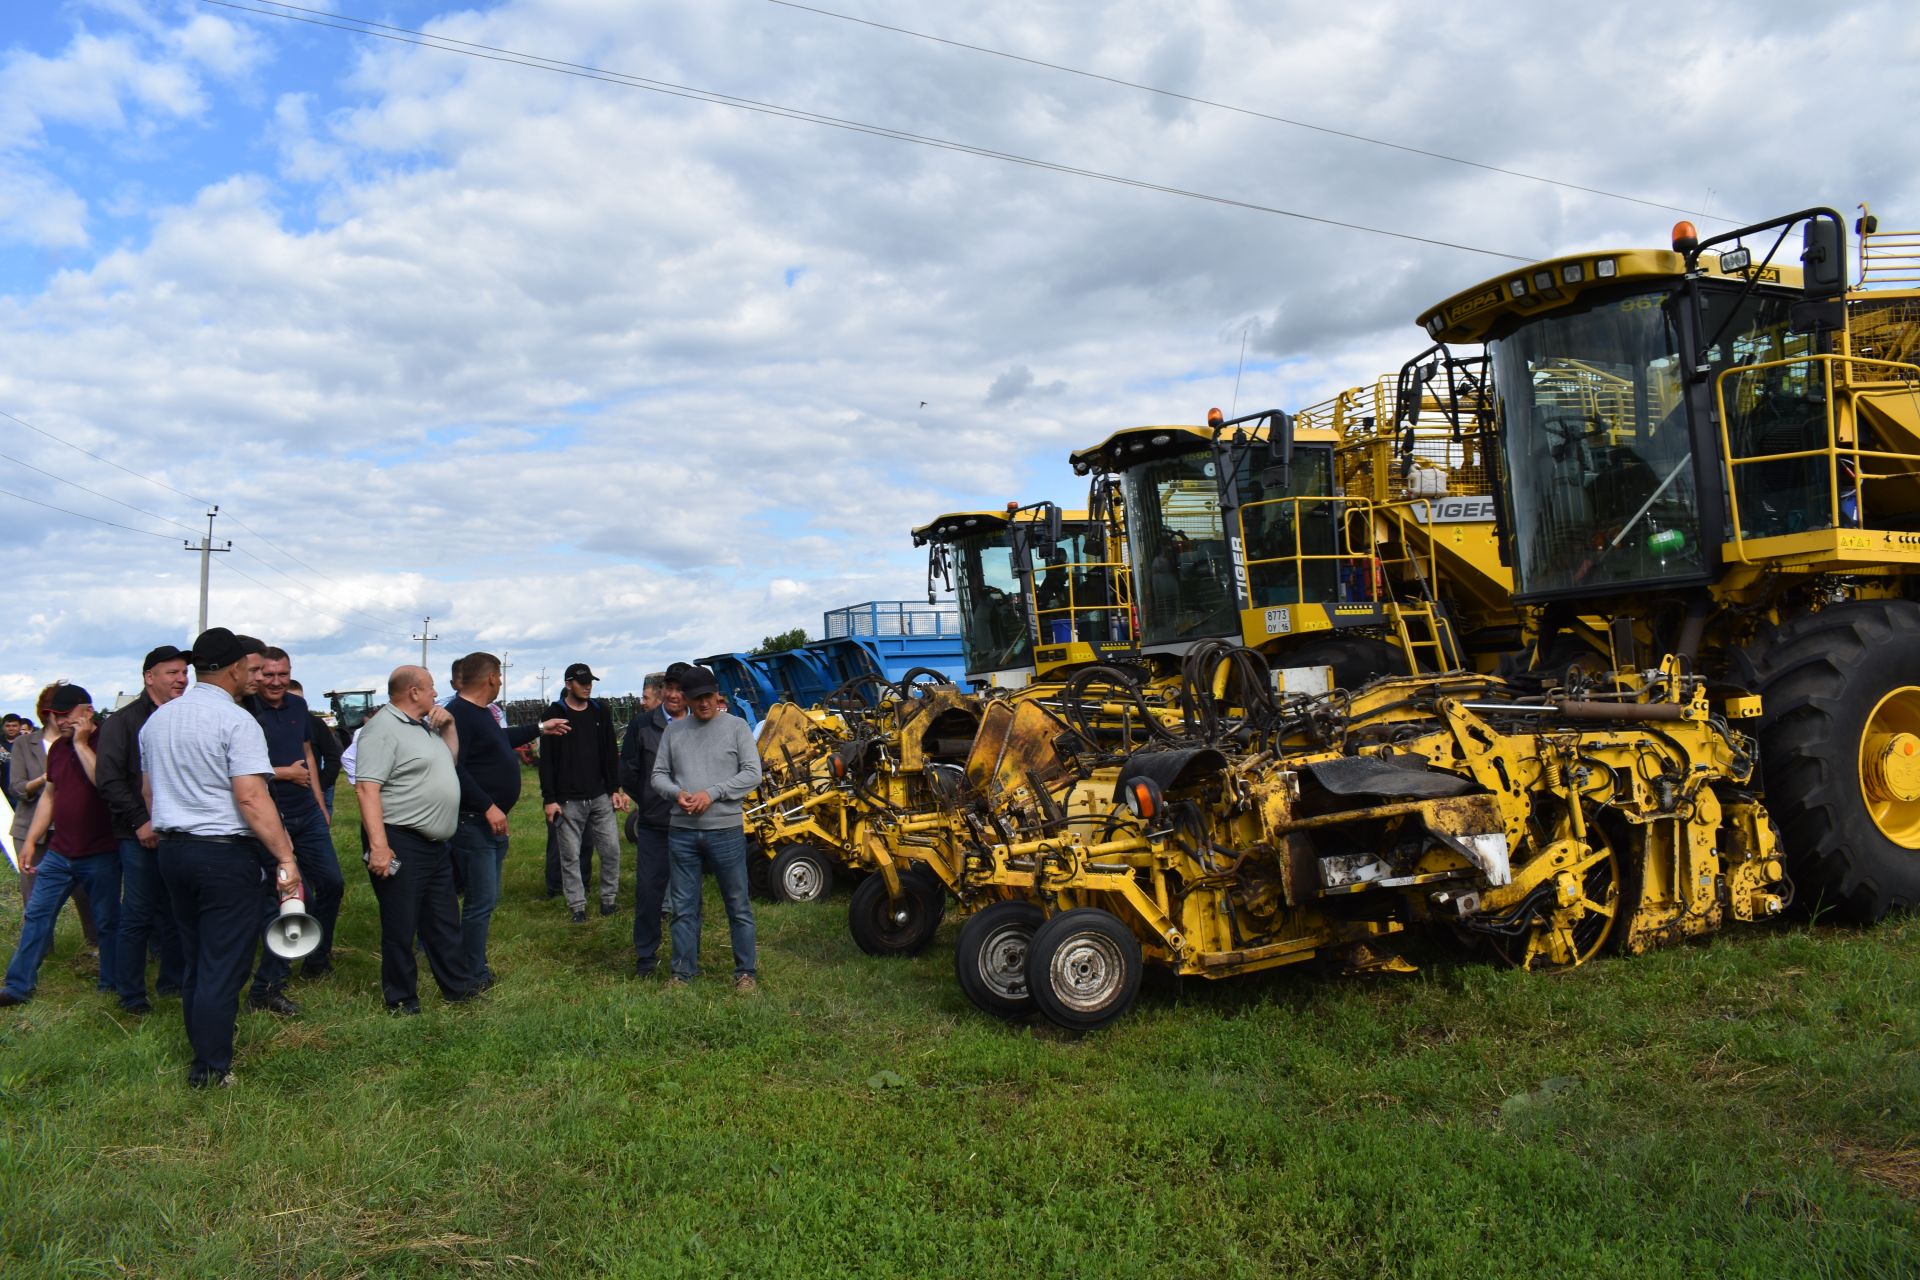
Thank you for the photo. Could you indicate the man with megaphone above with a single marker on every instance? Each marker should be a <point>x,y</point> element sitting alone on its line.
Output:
<point>206,768</point>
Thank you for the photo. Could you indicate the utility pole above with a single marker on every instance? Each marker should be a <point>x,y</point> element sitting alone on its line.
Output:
<point>543,686</point>
<point>423,637</point>
<point>206,550</point>
<point>506,665</point>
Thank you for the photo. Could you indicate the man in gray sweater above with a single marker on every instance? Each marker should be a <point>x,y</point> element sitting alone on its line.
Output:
<point>707,763</point>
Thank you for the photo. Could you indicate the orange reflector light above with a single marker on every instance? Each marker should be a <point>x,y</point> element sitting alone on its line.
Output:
<point>1143,799</point>
<point>1215,417</point>
<point>1684,236</point>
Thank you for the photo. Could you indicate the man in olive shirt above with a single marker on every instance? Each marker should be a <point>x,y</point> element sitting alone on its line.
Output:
<point>409,791</point>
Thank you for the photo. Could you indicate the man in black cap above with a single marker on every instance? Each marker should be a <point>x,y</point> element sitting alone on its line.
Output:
<point>206,768</point>
<point>145,914</point>
<point>580,788</point>
<point>80,850</point>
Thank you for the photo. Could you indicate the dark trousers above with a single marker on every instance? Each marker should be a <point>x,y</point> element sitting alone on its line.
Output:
<point>323,885</point>
<point>215,889</point>
<point>650,890</point>
<point>146,917</point>
<point>418,900</point>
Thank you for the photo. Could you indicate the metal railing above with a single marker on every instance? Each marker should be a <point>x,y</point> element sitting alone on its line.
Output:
<point>1846,505</point>
<point>891,618</point>
<point>1102,615</point>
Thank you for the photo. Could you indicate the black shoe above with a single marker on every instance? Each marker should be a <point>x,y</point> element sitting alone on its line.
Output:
<point>608,908</point>
<point>580,917</point>
<point>224,1080</point>
<point>136,1006</point>
<point>274,1002</point>
<point>643,970</point>
<point>405,1009</point>
<point>314,972</point>
<point>8,999</point>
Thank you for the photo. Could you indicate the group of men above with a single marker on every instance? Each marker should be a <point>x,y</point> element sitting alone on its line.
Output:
<point>183,821</point>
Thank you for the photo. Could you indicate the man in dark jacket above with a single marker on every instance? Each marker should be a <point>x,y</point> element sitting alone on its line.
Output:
<point>489,774</point>
<point>580,789</point>
<point>652,814</point>
<point>146,914</point>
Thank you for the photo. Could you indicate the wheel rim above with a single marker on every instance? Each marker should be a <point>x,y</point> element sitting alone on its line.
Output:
<point>1087,972</point>
<point>1003,960</point>
<point>1575,931</point>
<point>1890,766</point>
<point>897,920</point>
<point>801,880</point>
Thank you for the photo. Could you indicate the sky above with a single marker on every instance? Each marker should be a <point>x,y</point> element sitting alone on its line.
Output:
<point>582,370</point>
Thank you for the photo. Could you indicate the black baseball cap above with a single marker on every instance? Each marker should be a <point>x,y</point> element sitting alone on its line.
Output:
<point>217,648</point>
<point>68,696</point>
<point>677,672</point>
<point>165,653</point>
<point>697,681</point>
<point>582,672</point>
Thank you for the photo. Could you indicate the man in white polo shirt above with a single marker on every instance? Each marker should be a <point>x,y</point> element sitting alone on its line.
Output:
<point>205,767</point>
<point>409,791</point>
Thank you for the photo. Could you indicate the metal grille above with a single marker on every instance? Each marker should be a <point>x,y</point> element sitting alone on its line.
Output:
<point>891,618</point>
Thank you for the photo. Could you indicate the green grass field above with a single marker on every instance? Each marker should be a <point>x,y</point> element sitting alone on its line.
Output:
<point>1742,1108</point>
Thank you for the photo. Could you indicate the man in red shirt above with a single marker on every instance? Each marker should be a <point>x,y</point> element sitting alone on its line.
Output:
<point>81,851</point>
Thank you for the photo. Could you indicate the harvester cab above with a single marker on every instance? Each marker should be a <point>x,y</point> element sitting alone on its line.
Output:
<point>351,707</point>
<point>1238,536</point>
<point>1712,451</point>
<point>1034,587</point>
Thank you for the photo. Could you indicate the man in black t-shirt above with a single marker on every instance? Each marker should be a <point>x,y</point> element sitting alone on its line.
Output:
<point>489,787</point>
<point>580,788</point>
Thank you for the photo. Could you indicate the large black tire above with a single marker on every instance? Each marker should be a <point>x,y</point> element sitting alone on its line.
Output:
<point>1823,677</point>
<point>801,873</point>
<point>1083,969</point>
<point>990,957</point>
<point>882,926</point>
<point>1356,660</point>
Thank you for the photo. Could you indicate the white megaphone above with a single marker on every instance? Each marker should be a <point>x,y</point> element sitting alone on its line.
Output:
<point>293,933</point>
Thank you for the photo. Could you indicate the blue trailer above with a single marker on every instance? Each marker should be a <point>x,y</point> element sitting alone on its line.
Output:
<point>884,638</point>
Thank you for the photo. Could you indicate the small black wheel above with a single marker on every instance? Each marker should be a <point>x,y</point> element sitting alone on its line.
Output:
<point>801,873</point>
<point>990,957</point>
<point>903,926</point>
<point>1083,968</point>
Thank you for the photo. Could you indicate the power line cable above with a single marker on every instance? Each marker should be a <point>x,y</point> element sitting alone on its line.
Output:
<point>183,493</point>
<point>371,617</point>
<point>493,53</point>
<point>228,568</point>
<point>151,515</point>
<point>303,564</point>
<point>109,461</point>
<point>84,516</point>
<point>1245,111</point>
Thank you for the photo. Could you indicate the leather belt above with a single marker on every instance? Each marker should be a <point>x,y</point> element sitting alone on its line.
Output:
<point>194,835</point>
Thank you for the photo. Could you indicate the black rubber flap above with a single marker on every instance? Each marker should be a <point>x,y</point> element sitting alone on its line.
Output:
<point>1168,769</point>
<point>1372,776</point>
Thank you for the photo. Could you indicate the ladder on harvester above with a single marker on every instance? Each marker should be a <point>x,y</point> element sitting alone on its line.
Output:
<point>1422,626</point>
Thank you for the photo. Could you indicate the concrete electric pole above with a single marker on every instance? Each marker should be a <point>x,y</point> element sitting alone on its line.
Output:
<point>423,637</point>
<point>206,550</point>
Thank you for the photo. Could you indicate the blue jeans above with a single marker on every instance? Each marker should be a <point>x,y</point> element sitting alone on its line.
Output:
<point>54,878</point>
<point>145,914</point>
<point>216,890</point>
<point>724,853</point>
<point>479,856</point>
<point>323,885</point>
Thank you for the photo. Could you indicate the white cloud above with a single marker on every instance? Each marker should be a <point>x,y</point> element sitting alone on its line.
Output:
<point>518,350</point>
